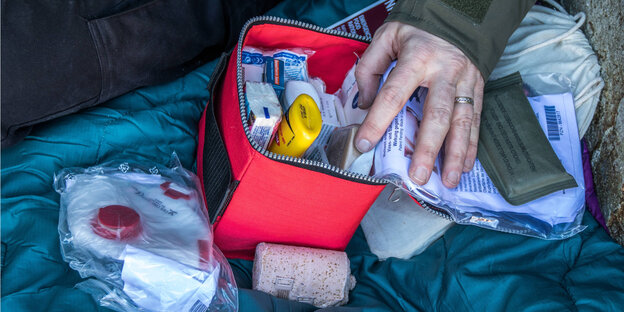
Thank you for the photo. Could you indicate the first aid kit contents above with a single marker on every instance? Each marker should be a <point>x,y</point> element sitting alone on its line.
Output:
<point>231,172</point>
<point>310,114</point>
<point>274,74</point>
<point>347,109</point>
<point>341,150</point>
<point>394,227</point>
<point>315,276</point>
<point>264,112</point>
<point>524,167</point>
<point>477,200</point>
<point>295,88</point>
<point>143,233</point>
<point>320,220</point>
<point>253,64</point>
<point>302,125</point>
<point>275,67</point>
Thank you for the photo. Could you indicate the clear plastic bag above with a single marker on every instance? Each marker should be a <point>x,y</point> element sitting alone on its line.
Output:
<point>476,201</point>
<point>143,233</point>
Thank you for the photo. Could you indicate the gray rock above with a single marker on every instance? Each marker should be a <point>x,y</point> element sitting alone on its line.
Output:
<point>605,21</point>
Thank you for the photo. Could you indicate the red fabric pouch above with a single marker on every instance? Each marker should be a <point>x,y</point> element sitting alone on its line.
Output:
<point>255,196</point>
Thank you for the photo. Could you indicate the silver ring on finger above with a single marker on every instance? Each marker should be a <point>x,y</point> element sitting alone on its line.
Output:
<point>464,100</point>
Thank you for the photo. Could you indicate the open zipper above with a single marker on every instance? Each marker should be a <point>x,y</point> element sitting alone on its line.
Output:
<point>300,162</point>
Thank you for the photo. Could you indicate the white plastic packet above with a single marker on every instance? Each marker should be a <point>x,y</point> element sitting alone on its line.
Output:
<point>143,233</point>
<point>349,113</point>
<point>264,112</point>
<point>327,105</point>
<point>253,64</point>
<point>158,283</point>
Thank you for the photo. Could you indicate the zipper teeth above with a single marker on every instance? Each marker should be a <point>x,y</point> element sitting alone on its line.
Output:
<point>290,159</point>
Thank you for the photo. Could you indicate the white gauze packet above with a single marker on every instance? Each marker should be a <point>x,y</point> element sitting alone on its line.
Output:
<point>264,112</point>
<point>253,64</point>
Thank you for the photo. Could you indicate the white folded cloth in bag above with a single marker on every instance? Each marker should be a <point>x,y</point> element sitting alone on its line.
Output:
<point>550,41</point>
<point>316,276</point>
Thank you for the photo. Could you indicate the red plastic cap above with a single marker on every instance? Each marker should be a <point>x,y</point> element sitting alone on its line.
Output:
<point>172,193</point>
<point>117,222</point>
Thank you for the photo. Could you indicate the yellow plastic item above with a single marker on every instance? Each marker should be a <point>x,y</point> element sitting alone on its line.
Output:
<point>299,128</point>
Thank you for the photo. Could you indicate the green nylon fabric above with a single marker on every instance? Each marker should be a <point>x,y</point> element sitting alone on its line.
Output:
<point>468,269</point>
<point>473,9</point>
<point>480,32</point>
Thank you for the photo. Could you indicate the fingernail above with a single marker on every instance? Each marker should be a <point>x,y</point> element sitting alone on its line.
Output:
<point>453,177</point>
<point>360,100</point>
<point>363,145</point>
<point>420,176</point>
<point>468,164</point>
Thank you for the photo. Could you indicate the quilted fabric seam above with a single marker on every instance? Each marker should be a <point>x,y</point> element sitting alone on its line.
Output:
<point>568,292</point>
<point>3,255</point>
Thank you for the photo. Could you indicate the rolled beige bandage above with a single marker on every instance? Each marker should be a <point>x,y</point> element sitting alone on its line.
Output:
<point>316,276</point>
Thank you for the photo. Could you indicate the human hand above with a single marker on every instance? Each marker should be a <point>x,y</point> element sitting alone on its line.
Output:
<point>429,61</point>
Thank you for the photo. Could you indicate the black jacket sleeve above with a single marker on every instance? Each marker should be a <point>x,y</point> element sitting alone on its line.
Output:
<point>480,28</point>
<point>62,56</point>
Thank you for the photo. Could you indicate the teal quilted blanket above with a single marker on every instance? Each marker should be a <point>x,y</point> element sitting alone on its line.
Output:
<point>468,269</point>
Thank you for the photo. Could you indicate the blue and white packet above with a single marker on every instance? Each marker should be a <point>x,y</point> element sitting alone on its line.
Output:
<point>295,64</point>
<point>253,64</point>
<point>274,74</point>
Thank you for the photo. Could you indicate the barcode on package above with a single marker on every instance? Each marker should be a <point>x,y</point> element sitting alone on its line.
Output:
<point>198,306</point>
<point>552,123</point>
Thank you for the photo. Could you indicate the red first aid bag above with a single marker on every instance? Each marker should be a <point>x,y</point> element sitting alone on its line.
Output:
<point>256,196</point>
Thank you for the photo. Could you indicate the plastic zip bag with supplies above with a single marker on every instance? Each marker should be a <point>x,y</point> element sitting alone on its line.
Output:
<point>476,201</point>
<point>142,232</point>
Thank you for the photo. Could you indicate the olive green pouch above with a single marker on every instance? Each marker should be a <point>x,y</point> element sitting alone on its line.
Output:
<point>513,148</point>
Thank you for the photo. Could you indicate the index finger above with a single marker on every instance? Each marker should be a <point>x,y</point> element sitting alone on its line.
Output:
<point>404,78</point>
<point>371,67</point>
